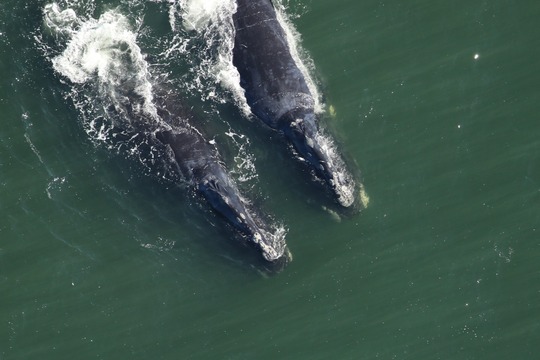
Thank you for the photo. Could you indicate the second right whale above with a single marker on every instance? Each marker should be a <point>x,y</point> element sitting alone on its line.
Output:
<point>277,92</point>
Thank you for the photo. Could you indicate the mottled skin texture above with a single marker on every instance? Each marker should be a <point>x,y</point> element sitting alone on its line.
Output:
<point>277,91</point>
<point>200,165</point>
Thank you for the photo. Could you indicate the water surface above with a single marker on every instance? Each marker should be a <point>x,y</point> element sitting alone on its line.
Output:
<point>436,106</point>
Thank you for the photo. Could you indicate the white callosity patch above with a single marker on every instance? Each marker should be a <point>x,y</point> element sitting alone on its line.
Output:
<point>278,248</point>
<point>343,182</point>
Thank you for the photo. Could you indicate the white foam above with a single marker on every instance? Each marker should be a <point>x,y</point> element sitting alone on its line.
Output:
<point>104,50</point>
<point>110,81</point>
<point>211,23</point>
<point>299,55</point>
<point>60,21</point>
<point>199,14</point>
<point>244,169</point>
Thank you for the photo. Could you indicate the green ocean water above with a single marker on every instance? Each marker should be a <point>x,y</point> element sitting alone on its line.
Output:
<point>436,104</point>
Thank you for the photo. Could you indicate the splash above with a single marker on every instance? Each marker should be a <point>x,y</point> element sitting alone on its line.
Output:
<point>200,14</point>
<point>110,82</point>
<point>62,22</point>
<point>211,22</point>
<point>105,51</point>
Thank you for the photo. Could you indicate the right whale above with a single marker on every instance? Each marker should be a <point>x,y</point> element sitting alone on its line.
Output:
<point>277,93</point>
<point>199,163</point>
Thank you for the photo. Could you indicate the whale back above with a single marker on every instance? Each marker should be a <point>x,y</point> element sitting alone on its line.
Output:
<point>278,93</point>
<point>273,83</point>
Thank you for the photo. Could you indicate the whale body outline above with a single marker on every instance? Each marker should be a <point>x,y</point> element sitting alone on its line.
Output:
<point>277,93</point>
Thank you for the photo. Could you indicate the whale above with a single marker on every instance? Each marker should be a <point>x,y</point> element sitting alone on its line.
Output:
<point>277,93</point>
<point>202,168</point>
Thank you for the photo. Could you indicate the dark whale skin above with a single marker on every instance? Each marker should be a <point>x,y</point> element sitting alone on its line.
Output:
<point>202,168</point>
<point>278,94</point>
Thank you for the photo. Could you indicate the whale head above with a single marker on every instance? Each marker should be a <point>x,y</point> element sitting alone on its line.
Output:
<point>222,194</point>
<point>200,165</point>
<point>320,152</point>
